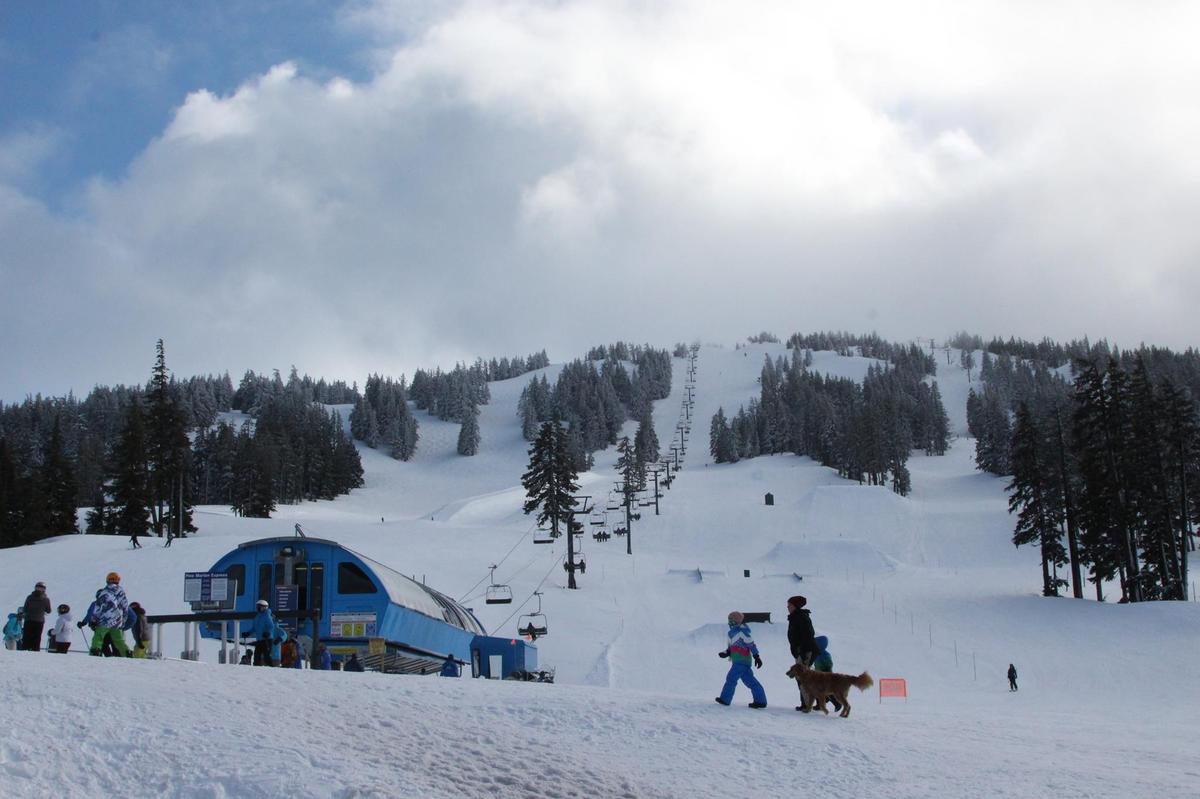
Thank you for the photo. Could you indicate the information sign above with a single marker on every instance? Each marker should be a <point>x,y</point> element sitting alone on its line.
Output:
<point>352,625</point>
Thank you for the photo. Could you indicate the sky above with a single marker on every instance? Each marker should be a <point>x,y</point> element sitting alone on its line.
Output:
<point>379,186</point>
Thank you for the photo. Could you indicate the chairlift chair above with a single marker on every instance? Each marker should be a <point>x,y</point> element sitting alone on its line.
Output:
<point>533,624</point>
<point>497,593</point>
<point>541,536</point>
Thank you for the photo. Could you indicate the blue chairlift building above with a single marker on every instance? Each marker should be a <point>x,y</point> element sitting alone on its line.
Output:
<point>361,599</point>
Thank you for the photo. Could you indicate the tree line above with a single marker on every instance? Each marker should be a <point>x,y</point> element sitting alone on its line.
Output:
<point>863,430</point>
<point>1102,466</point>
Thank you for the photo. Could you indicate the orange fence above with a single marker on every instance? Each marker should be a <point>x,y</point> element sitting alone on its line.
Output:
<point>892,686</point>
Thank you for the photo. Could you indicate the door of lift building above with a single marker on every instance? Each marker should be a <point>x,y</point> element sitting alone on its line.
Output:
<point>292,580</point>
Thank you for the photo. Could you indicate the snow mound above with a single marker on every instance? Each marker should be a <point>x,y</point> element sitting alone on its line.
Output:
<point>827,557</point>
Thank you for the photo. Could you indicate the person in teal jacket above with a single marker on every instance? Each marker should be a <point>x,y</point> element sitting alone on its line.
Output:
<point>741,651</point>
<point>824,662</point>
<point>278,636</point>
<point>263,630</point>
<point>13,631</point>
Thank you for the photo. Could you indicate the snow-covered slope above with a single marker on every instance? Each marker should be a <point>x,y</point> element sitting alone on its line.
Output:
<point>926,587</point>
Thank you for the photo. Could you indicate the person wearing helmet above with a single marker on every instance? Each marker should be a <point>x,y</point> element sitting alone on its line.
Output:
<point>62,630</point>
<point>109,616</point>
<point>740,651</point>
<point>263,629</point>
<point>37,605</point>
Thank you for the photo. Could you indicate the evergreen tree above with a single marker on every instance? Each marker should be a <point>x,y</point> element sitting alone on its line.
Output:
<point>131,480</point>
<point>168,450</point>
<point>59,486</point>
<point>468,435</point>
<point>1033,496</point>
<point>550,481</point>
<point>646,441</point>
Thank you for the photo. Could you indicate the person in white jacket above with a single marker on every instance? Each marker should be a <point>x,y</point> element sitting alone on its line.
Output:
<point>63,630</point>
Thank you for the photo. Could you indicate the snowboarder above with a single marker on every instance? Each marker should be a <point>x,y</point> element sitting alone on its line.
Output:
<point>740,651</point>
<point>109,616</point>
<point>801,639</point>
<point>450,667</point>
<point>12,630</point>
<point>140,629</point>
<point>37,605</point>
<point>353,664</point>
<point>263,629</point>
<point>1012,677</point>
<point>62,630</point>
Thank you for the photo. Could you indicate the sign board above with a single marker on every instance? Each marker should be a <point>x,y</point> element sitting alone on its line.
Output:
<point>893,686</point>
<point>287,597</point>
<point>376,646</point>
<point>352,625</point>
<point>209,590</point>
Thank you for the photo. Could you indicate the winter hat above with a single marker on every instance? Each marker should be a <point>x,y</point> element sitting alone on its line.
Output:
<point>112,577</point>
<point>797,601</point>
<point>736,617</point>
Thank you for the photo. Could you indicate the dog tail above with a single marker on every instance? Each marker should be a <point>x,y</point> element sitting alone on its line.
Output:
<point>862,682</point>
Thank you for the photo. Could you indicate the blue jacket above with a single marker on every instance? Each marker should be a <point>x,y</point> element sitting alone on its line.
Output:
<point>12,627</point>
<point>326,660</point>
<point>278,636</point>
<point>111,607</point>
<point>263,626</point>
<point>130,620</point>
<point>823,661</point>
<point>450,668</point>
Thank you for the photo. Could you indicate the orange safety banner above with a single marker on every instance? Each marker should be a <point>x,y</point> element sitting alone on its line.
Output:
<point>893,686</point>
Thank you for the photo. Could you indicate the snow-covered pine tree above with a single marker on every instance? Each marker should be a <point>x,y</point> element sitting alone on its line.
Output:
<point>468,434</point>
<point>550,480</point>
<point>1034,497</point>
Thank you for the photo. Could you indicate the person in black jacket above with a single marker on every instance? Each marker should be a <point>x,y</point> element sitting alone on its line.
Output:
<point>801,639</point>
<point>37,605</point>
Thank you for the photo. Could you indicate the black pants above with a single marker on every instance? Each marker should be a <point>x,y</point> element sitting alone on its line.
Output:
<point>262,653</point>
<point>31,641</point>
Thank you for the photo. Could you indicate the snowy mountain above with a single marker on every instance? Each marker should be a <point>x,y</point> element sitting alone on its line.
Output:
<point>926,587</point>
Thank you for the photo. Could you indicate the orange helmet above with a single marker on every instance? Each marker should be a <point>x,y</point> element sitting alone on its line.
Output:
<point>112,577</point>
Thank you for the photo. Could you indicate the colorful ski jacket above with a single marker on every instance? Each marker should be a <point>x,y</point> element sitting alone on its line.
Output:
<point>111,607</point>
<point>741,644</point>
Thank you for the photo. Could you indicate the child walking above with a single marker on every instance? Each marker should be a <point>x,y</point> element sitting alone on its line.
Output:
<point>741,651</point>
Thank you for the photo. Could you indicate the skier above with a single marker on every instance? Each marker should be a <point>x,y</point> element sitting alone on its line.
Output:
<point>37,605</point>
<point>1012,677</point>
<point>89,620</point>
<point>740,651</point>
<point>140,629</point>
<point>109,616</point>
<point>801,639</point>
<point>450,668</point>
<point>62,630</point>
<point>12,630</point>
<point>263,629</point>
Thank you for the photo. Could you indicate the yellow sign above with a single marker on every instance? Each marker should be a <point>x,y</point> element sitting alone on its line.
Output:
<point>375,646</point>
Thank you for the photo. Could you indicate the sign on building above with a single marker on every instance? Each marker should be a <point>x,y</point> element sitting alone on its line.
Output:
<point>209,590</point>
<point>352,625</point>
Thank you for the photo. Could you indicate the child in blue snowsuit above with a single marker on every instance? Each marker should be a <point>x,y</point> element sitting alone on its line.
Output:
<point>824,662</point>
<point>741,651</point>
<point>13,631</point>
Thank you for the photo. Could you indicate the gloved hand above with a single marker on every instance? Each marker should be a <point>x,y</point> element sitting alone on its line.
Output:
<point>80,624</point>
<point>724,654</point>
<point>757,662</point>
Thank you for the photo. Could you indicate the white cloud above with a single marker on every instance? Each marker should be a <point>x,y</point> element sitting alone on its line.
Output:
<point>514,168</point>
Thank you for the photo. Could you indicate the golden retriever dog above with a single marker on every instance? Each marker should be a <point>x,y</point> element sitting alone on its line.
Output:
<point>817,686</point>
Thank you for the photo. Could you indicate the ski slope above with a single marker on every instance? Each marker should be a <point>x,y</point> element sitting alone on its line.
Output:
<point>925,587</point>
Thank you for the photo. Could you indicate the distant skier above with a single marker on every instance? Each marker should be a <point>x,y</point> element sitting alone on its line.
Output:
<point>263,629</point>
<point>37,605</point>
<point>450,667</point>
<point>133,539</point>
<point>801,639</point>
<point>1012,677</point>
<point>62,630</point>
<point>109,616</point>
<point>740,651</point>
